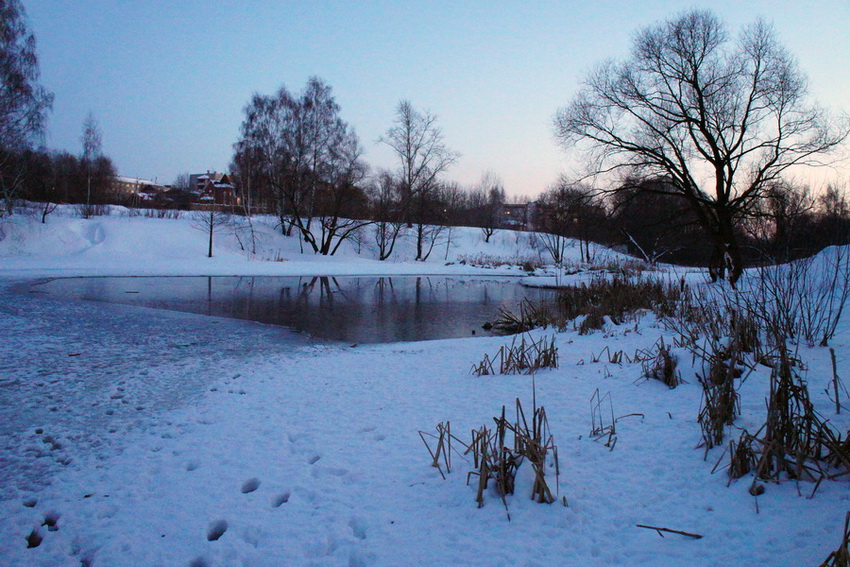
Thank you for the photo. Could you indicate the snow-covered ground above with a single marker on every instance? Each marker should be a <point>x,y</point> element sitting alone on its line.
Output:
<point>142,434</point>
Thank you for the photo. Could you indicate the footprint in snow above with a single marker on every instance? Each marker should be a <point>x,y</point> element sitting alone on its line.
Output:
<point>358,527</point>
<point>34,539</point>
<point>250,485</point>
<point>51,521</point>
<point>216,530</point>
<point>314,459</point>
<point>280,499</point>
<point>324,472</point>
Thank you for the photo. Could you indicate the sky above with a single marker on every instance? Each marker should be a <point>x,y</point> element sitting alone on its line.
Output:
<point>167,80</point>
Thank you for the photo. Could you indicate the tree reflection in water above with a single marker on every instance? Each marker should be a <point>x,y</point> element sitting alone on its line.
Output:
<point>351,309</point>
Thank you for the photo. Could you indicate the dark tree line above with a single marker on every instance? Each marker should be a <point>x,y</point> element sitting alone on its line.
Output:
<point>27,170</point>
<point>651,220</point>
<point>60,177</point>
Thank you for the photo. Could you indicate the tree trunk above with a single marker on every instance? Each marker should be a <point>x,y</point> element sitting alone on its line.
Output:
<point>420,236</point>
<point>725,262</point>
<point>212,226</point>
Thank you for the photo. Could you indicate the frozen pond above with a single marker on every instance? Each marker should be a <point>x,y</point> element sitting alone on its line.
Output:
<point>352,309</point>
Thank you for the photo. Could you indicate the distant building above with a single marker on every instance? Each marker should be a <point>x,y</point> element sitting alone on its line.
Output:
<point>143,189</point>
<point>198,181</point>
<point>213,187</point>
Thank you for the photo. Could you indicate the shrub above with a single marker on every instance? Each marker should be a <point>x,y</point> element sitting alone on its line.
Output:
<point>527,263</point>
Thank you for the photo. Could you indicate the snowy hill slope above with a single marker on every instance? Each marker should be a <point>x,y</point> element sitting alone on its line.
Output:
<point>120,244</point>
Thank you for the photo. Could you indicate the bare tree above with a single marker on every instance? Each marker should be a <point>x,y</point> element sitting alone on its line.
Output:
<point>487,201</point>
<point>92,140</point>
<point>208,222</point>
<point>722,119</point>
<point>387,213</point>
<point>181,182</point>
<point>452,200</point>
<point>24,104</point>
<point>310,158</point>
<point>418,144</point>
<point>568,209</point>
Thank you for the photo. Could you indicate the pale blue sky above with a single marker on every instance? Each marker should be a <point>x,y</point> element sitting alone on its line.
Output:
<point>167,80</point>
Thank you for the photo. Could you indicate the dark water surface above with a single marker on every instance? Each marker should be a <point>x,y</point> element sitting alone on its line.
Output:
<point>351,309</point>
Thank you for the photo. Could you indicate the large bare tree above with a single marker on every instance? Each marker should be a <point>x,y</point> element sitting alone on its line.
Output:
<point>311,160</point>
<point>720,117</point>
<point>418,144</point>
<point>23,102</point>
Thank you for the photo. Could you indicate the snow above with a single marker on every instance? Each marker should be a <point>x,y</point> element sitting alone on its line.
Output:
<point>163,438</point>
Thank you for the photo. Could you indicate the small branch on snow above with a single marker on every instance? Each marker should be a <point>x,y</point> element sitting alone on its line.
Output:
<point>659,530</point>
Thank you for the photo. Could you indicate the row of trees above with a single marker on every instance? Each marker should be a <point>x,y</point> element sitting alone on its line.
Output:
<point>27,169</point>
<point>62,177</point>
<point>652,220</point>
<point>701,127</point>
<point>296,156</point>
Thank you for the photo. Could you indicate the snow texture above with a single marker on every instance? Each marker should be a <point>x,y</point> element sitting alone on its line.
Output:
<point>135,436</point>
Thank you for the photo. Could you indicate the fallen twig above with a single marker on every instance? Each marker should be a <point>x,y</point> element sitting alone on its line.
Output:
<point>668,530</point>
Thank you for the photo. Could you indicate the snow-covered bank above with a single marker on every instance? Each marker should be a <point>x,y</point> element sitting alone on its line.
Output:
<point>145,433</point>
<point>119,244</point>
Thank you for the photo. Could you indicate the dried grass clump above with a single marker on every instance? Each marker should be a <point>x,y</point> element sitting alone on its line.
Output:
<point>721,401</point>
<point>795,442</point>
<point>662,366</point>
<point>614,356</point>
<point>495,460</point>
<point>743,458</point>
<point>718,331</point>
<point>617,298</point>
<point>499,451</point>
<point>628,267</point>
<point>530,316</point>
<point>522,358</point>
<point>602,422</point>
<point>443,441</point>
